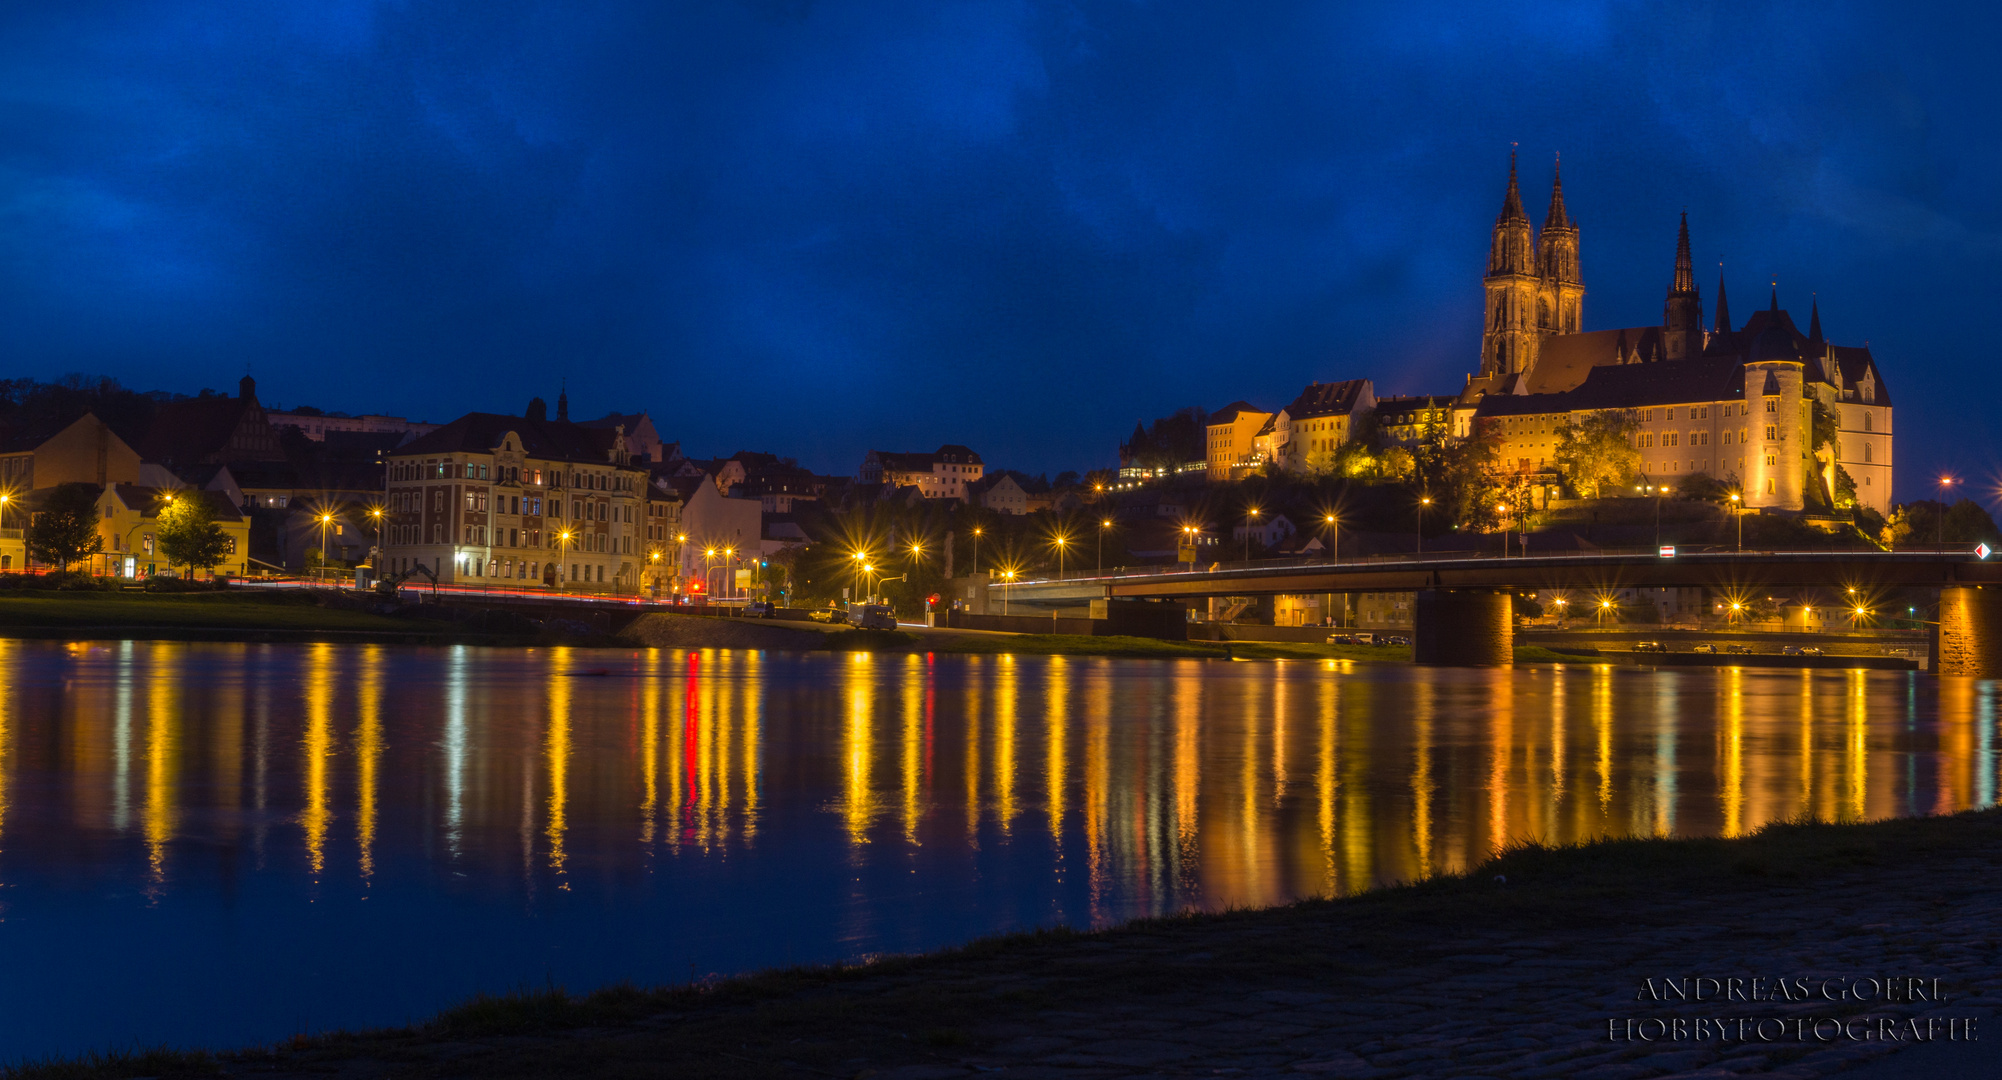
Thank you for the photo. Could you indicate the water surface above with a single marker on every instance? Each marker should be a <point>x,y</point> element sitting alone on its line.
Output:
<point>216,844</point>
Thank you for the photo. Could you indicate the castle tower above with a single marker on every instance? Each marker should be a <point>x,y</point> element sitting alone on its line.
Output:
<point>1561,296</point>
<point>1682,315</point>
<point>1509,336</point>
<point>1777,462</point>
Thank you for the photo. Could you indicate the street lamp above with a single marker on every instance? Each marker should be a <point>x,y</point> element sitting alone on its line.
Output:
<point>1250,516</point>
<point>1006,577</point>
<point>1738,511</point>
<point>976,549</point>
<point>1939,518</point>
<point>729,576</point>
<point>325,521</point>
<point>563,539</point>
<point>1419,532</point>
<point>1103,524</point>
<point>1334,525</point>
<point>1501,513</point>
<point>1656,490</point>
<point>1605,606</point>
<point>1060,540</point>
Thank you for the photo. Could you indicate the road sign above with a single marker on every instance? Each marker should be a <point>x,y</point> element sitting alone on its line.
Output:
<point>1668,551</point>
<point>1982,551</point>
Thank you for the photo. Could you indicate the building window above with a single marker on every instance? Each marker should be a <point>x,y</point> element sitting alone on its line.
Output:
<point>1772,404</point>
<point>1866,453</point>
<point>1769,486</point>
<point>1866,420</point>
<point>1772,433</point>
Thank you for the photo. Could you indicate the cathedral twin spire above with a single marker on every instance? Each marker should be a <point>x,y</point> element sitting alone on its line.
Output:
<point>1534,284</point>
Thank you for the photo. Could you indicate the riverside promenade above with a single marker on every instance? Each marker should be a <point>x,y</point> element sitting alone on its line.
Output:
<point>1531,967</point>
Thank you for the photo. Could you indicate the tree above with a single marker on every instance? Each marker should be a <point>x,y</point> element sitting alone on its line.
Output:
<point>189,534</point>
<point>1919,523</point>
<point>65,530</point>
<point>1598,452</point>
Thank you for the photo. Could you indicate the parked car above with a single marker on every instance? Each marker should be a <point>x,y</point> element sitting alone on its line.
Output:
<point>1810,650</point>
<point>1341,639</point>
<point>1739,650</point>
<point>1397,639</point>
<point>835,614</point>
<point>1705,647</point>
<point>758,609</point>
<point>1650,647</point>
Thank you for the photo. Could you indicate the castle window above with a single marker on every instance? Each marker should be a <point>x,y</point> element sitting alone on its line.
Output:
<point>1772,404</point>
<point>1705,410</point>
<point>1866,453</point>
<point>1772,433</point>
<point>1866,421</point>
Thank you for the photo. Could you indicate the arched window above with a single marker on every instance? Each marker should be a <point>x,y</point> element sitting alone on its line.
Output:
<point>1866,421</point>
<point>1866,453</point>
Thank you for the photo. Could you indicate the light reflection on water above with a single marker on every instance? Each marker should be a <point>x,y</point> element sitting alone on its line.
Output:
<point>214,844</point>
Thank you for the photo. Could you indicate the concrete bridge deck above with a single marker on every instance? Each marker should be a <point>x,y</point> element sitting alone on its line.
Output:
<point>1464,608</point>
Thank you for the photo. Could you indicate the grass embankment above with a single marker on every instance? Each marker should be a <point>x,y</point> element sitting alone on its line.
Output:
<point>291,611</point>
<point>919,1010</point>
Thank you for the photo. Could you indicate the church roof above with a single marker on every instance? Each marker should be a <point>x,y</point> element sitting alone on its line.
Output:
<point>1565,360</point>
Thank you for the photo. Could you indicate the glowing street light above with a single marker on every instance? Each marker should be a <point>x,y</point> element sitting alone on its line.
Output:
<point>1945,484</point>
<point>1334,525</point>
<point>1103,524</point>
<point>1738,511</point>
<point>1419,532</point>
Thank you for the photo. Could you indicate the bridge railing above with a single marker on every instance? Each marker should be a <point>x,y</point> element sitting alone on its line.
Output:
<point>1121,573</point>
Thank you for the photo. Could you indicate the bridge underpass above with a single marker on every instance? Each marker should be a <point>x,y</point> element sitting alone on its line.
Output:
<point>1464,610</point>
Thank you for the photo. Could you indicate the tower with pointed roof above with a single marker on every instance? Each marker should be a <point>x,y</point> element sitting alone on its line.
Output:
<point>1561,295</point>
<point>1510,335</point>
<point>1682,314</point>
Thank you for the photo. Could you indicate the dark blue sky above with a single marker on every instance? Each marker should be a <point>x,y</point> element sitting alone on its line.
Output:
<point>815,228</point>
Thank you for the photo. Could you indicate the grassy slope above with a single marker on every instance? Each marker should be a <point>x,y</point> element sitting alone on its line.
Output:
<point>217,611</point>
<point>821,1018</point>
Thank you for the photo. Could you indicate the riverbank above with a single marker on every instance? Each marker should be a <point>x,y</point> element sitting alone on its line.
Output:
<point>220,616</point>
<point>1512,969</point>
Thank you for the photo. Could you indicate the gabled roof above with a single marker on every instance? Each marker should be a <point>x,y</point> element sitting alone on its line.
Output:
<point>1627,386</point>
<point>210,429</point>
<point>1327,399</point>
<point>1229,413</point>
<point>549,440</point>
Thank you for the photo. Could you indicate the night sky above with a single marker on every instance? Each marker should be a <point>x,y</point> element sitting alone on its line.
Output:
<point>816,228</point>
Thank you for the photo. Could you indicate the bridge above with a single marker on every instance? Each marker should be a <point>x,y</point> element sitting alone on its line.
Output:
<point>1464,613</point>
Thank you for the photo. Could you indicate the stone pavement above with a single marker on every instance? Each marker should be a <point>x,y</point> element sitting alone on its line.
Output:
<point>1510,983</point>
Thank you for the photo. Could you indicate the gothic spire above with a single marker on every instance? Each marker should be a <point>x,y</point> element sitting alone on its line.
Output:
<point>1814,324</point>
<point>1776,296</point>
<point>1723,307</point>
<point>1556,218</point>
<point>1512,203</point>
<point>1685,271</point>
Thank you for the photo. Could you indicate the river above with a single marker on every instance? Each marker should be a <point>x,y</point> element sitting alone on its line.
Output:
<point>215,844</point>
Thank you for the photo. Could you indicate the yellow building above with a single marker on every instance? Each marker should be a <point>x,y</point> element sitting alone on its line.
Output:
<point>518,501</point>
<point>129,524</point>
<point>1232,431</point>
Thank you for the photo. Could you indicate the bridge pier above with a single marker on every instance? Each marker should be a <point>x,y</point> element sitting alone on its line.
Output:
<point>1968,637</point>
<point>1465,628</point>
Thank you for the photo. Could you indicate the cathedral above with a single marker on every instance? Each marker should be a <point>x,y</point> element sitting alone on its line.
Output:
<point>1732,402</point>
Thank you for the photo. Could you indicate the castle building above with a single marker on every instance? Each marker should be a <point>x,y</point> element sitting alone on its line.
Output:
<point>1736,403</point>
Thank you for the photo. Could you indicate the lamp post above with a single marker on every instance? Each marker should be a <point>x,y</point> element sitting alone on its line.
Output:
<point>976,549</point>
<point>1604,607</point>
<point>1418,533</point>
<point>1007,576</point>
<point>1501,513</point>
<point>1656,490</point>
<point>562,545</point>
<point>1250,516</point>
<point>1060,540</point>
<point>1939,519</point>
<point>325,521</point>
<point>729,576</point>
<point>1103,524</point>
<point>1334,525</point>
<point>1738,511</point>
